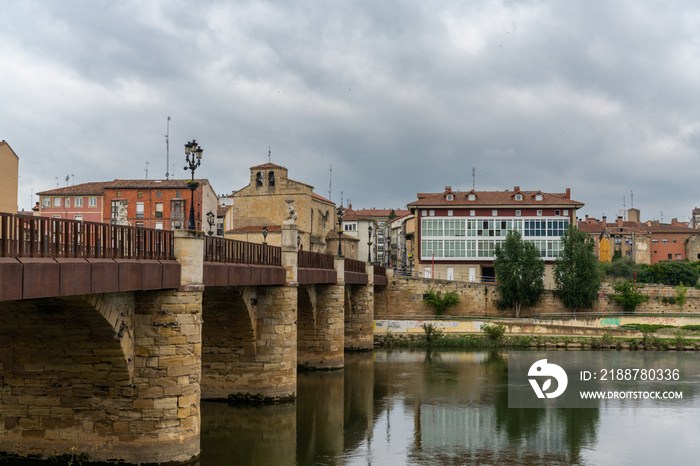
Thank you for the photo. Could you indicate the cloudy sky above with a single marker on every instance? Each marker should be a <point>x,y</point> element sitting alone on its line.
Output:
<point>398,96</point>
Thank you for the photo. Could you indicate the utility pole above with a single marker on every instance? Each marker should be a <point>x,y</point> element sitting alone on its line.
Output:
<point>146,170</point>
<point>167,151</point>
<point>330,183</point>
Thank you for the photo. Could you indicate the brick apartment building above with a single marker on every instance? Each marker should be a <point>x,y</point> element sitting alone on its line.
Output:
<point>77,202</point>
<point>159,204</point>
<point>457,232</point>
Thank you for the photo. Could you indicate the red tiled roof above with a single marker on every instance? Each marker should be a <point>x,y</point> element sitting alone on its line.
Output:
<point>95,188</point>
<point>256,229</point>
<point>321,198</point>
<point>493,198</point>
<point>668,228</point>
<point>145,184</point>
<point>381,212</point>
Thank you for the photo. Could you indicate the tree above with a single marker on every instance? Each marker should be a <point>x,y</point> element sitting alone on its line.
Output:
<point>392,214</point>
<point>681,295</point>
<point>519,273</point>
<point>576,273</point>
<point>627,293</point>
<point>439,302</point>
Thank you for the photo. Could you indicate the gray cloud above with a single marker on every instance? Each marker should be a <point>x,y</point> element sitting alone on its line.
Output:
<point>399,97</point>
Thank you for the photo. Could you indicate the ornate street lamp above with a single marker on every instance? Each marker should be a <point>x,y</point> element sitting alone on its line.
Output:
<point>193,149</point>
<point>210,221</point>
<point>340,213</point>
<point>264,235</point>
<point>369,243</point>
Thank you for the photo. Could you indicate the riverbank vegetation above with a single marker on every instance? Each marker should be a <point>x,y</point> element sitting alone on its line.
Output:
<point>494,336</point>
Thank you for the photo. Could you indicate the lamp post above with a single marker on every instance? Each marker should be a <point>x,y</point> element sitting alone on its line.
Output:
<point>264,230</point>
<point>210,221</point>
<point>193,149</point>
<point>340,213</point>
<point>298,241</point>
<point>369,243</point>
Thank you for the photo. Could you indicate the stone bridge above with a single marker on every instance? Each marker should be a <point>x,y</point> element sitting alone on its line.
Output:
<point>110,336</point>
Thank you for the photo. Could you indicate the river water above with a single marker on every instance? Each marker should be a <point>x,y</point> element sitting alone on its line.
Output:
<point>420,408</point>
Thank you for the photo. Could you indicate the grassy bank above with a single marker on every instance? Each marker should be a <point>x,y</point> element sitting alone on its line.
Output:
<point>494,337</point>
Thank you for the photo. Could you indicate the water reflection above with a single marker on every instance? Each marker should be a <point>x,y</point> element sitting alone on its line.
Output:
<point>404,407</point>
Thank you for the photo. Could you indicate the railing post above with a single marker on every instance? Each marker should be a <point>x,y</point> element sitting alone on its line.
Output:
<point>189,252</point>
<point>290,256</point>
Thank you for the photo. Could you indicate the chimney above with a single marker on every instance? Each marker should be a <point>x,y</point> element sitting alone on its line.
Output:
<point>619,221</point>
<point>516,189</point>
<point>448,189</point>
<point>568,193</point>
<point>605,222</point>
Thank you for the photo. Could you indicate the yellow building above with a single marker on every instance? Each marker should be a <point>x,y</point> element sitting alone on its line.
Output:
<point>9,176</point>
<point>263,204</point>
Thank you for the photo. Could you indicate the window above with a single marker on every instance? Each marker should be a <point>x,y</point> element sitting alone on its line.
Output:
<point>678,257</point>
<point>556,213</point>
<point>119,194</point>
<point>159,194</point>
<point>178,194</point>
<point>494,212</point>
<point>139,224</point>
<point>454,227</point>
<point>664,241</point>
<point>78,217</point>
<point>539,213</point>
<point>46,202</point>
<point>271,178</point>
<point>538,197</point>
<point>556,228</point>
<point>517,213</point>
<point>78,201</point>
<point>350,226</point>
<point>449,197</point>
<point>566,212</point>
<point>449,213</point>
<point>140,195</point>
<point>115,211</point>
<point>618,241</point>
<point>431,248</point>
<point>431,227</point>
<point>518,197</point>
<point>159,226</point>
<point>432,213</point>
<point>177,214</point>
<point>471,197</point>
<point>93,202</point>
<point>57,202</point>
<point>425,213</point>
<point>472,213</point>
<point>535,227</point>
<point>67,202</point>
<point>258,179</point>
<point>139,210</point>
<point>670,256</point>
<point>454,248</point>
<point>655,241</point>
<point>159,210</point>
<point>674,240</point>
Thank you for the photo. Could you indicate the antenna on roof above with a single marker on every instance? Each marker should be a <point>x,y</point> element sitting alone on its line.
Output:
<point>269,155</point>
<point>631,199</point>
<point>73,175</point>
<point>167,151</point>
<point>330,183</point>
<point>473,178</point>
<point>662,217</point>
<point>67,179</point>
<point>56,181</point>
<point>341,199</point>
<point>146,169</point>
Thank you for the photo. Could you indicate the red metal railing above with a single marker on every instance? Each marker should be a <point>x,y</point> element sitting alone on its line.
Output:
<point>315,260</point>
<point>26,236</point>
<point>240,252</point>
<point>379,271</point>
<point>352,265</point>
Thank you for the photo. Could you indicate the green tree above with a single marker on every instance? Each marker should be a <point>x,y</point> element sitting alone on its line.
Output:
<point>519,273</point>
<point>392,214</point>
<point>627,293</point>
<point>576,273</point>
<point>681,295</point>
<point>439,302</point>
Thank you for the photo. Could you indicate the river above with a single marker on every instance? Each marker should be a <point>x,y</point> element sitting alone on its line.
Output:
<point>420,408</point>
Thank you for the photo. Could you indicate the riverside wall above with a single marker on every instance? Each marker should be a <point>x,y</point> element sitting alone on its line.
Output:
<point>404,300</point>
